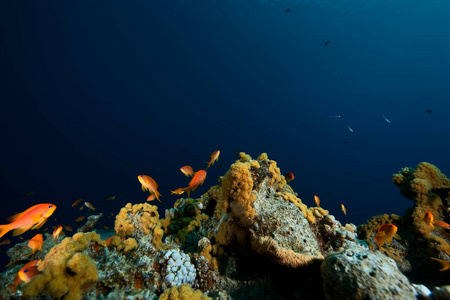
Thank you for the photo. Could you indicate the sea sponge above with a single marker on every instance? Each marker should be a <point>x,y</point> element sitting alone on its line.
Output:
<point>127,245</point>
<point>183,292</point>
<point>269,248</point>
<point>427,186</point>
<point>139,220</point>
<point>237,185</point>
<point>67,271</point>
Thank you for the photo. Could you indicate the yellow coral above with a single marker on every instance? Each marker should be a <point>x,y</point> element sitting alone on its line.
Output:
<point>314,213</point>
<point>127,245</point>
<point>244,157</point>
<point>277,178</point>
<point>268,247</point>
<point>139,220</point>
<point>67,272</point>
<point>263,156</point>
<point>237,186</point>
<point>183,292</point>
<point>158,233</point>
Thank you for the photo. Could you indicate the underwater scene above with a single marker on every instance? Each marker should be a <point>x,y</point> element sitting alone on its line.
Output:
<point>225,149</point>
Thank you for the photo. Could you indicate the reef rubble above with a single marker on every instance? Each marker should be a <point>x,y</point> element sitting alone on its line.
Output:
<point>249,237</point>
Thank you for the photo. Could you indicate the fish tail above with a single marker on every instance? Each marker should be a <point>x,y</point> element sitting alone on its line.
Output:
<point>4,229</point>
<point>157,195</point>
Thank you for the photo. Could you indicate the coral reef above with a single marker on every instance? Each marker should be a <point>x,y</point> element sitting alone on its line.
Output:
<point>249,237</point>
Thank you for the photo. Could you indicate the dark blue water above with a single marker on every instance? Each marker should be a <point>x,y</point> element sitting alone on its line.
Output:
<point>96,93</point>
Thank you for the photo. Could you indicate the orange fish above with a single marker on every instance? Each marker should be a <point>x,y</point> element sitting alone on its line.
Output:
<point>430,221</point>
<point>198,180</point>
<point>317,200</point>
<point>68,227</point>
<point>25,274</point>
<point>289,176</point>
<point>89,205</point>
<point>385,234</point>
<point>187,170</point>
<point>35,243</point>
<point>32,218</point>
<point>79,219</point>
<point>214,158</point>
<point>149,184</point>
<point>343,209</point>
<point>151,197</point>
<point>178,191</point>
<point>441,224</point>
<point>56,233</point>
<point>5,242</point>
<point>108,240</point>
<point>428,218</point>
<point>29,270</point>
<point>76,202</point>
<point>445,264</point>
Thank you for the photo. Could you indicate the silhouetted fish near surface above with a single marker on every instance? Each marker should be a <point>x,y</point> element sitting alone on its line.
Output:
<point>346,142</point>
<point>428,111</point>
<point>287,10</point>
<point>326,43</point>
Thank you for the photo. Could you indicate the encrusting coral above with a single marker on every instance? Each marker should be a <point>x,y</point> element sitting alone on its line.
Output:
<point>139,220</point>
<point>66,270</point>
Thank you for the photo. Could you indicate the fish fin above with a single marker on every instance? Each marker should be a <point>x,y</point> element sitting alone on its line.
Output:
<point>144,188</point>
<point>40,224</point>
<point>445,265</point>
<point>157,195</point>
<point>19,231</point>
<point>397,237</point>
<point>188,192</point>
<point>15,217</point>
<point>389,240</point>
<point>4,229</point>
<point>379,238</point>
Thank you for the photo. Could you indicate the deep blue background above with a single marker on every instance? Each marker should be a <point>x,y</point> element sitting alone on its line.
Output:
<point>94,93</point>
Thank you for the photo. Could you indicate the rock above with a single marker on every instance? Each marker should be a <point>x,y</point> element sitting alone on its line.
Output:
<point>356,273</point>
<point>441,293</point>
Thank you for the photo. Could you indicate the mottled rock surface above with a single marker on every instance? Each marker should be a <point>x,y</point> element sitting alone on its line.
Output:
<point>356,273</point>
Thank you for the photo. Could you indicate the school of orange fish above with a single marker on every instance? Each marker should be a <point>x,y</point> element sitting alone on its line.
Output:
<point>36,216</point>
